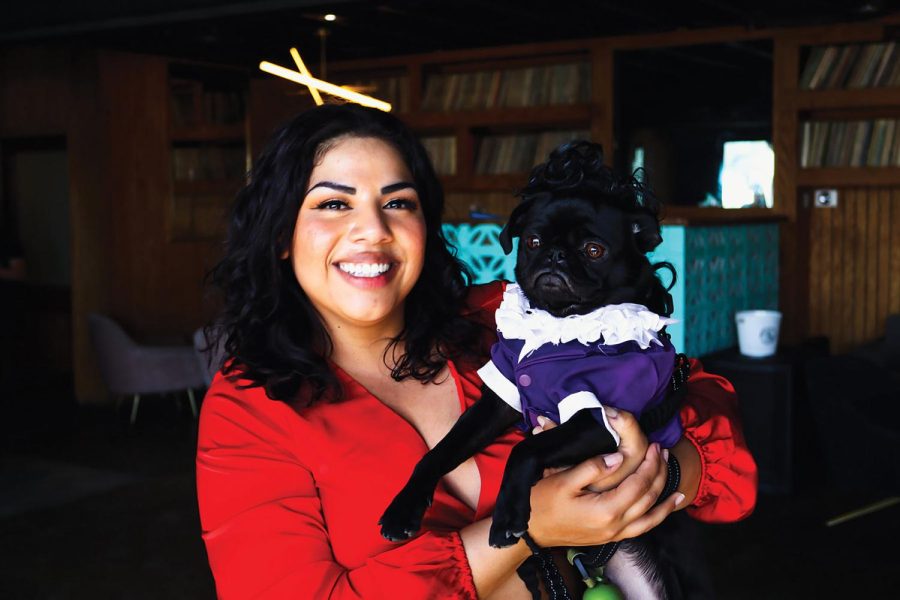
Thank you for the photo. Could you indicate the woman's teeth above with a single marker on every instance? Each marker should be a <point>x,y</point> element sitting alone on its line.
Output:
<point>364,270</point>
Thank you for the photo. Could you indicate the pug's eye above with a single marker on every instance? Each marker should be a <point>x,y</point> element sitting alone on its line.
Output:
<point>594,250</point>
<point>533,241</point>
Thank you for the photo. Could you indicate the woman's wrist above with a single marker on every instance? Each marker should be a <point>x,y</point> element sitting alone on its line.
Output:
<point>691,471</point>
<point>491,567</point>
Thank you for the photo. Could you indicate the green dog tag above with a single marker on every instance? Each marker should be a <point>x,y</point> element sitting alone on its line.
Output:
<point>603,591</point>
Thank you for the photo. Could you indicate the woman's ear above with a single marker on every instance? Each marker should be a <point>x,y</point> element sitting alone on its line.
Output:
<point>645,229</point>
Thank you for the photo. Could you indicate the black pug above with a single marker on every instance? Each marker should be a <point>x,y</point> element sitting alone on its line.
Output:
<point>583,329</point>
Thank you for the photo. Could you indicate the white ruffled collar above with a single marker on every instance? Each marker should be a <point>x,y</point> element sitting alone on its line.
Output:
<point>614,323</point>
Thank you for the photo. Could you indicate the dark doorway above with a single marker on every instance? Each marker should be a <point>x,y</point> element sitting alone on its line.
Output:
<point>35,260</point>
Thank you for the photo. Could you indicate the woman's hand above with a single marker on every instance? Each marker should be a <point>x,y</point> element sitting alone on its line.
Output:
<point>605,498</point>
<point>617,465</point>
<point>564,513</point>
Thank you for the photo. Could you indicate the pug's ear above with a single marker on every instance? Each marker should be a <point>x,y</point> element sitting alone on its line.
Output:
<point>513,227</point>
<point>645,229</point>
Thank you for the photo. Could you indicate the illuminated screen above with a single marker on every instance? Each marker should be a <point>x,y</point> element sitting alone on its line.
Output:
<point>745,179</point>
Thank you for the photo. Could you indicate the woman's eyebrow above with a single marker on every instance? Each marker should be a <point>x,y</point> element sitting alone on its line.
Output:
<point>400,185</point>
<point>335,186</point>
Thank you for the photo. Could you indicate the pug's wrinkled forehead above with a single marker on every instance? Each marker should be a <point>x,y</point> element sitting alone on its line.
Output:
<point>593,213</point>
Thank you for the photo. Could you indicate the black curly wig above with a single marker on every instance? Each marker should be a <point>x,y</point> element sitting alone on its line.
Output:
<point>270,332</point>
<point>577,169</point>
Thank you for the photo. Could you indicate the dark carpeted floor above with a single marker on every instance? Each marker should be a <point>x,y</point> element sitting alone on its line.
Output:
<point>94,509</point>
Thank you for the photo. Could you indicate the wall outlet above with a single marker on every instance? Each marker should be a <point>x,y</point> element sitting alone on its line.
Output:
<point>825,198</point>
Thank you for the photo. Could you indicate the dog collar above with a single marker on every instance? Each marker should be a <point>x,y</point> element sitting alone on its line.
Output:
<point>613,324</point>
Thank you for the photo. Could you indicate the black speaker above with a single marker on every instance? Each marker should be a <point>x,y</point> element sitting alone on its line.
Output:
<point>775,412</point>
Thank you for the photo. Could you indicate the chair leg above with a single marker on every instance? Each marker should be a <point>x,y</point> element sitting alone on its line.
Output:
<point>190,394</point>
<point>134,407</point>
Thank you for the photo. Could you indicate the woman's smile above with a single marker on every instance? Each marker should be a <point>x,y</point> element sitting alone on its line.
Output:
<point>369,270</point>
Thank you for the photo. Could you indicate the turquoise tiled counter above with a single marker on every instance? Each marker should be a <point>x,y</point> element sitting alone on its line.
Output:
<point>721,269</point>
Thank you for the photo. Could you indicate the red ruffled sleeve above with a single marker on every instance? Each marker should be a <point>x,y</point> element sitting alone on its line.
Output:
<point>728,480</point>
<point>263,521</point>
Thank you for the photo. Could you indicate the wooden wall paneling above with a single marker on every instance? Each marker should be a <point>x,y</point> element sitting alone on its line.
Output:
<point>847,265</point>
<point>156,284</point>
<point>794,296</point>
<point>416,85</point>
<point>35,95</point>
<point>818,245</point>
<point>872,281</point>
<point>91,202</point>
<point>859,255</point>
<point>884,256</point>
<point>894,296</point>
<point>838,293</point>
<point>465,152</point>
<point>602,99</point>
<point>853,266</point>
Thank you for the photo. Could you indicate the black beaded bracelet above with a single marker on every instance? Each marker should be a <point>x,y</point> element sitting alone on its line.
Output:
<point>673,477</point>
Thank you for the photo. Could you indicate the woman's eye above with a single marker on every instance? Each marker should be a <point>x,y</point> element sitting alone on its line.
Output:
<point>402,203</point>
<point>594,250</point>
<point>533,241</point>
<point>332,204</point>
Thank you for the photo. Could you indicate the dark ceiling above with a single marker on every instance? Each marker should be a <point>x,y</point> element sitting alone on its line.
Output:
<point>243,33</point>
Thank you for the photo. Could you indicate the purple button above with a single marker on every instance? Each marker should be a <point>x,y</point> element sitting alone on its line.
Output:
<point>524,380</point>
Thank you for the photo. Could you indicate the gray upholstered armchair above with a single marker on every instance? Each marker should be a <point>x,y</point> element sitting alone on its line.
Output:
<point>132,369</point>
<point>210,358</point>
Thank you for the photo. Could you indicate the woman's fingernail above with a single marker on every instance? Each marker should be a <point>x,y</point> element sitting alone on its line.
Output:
<point>665,454</point>
<point>542,421</point>
<point>611,412</point>
<point>613,460</point>
<point>679,498</point>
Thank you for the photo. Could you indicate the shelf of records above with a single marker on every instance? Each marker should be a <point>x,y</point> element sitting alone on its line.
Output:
<point>195,217</point>
<point>852,66</point>
<point>209,161</point>
<point>560,84</point>
<point>194,105</point>
<point>442,152</point>
<point>869,143</point>
<point>393,89</point>
<point>518,153</point>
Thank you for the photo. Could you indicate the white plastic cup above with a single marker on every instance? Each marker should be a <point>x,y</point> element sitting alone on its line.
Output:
<point>758,332</point>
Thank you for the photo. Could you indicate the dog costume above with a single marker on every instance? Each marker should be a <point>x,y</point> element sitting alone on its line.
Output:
<point>556,366</point>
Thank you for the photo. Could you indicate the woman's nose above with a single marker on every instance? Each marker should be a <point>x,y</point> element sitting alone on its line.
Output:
<point>370,225</point>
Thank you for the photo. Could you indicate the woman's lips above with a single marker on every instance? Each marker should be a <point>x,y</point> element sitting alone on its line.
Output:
<point>368,270</point>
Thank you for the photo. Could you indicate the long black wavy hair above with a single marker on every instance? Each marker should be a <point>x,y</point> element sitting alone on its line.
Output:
<point>577,169</point>
<point>270,332</point>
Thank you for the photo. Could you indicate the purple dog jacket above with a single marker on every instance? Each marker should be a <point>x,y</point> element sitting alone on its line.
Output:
<point>560,377</point>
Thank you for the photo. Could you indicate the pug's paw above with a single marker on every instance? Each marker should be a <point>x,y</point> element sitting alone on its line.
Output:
<point>510,523</point>
<point>403,517</point>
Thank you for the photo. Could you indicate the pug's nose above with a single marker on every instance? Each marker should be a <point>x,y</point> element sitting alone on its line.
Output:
<point>557,256</point>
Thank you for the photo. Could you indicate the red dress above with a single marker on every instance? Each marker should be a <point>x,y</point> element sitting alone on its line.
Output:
<point>290,497</point>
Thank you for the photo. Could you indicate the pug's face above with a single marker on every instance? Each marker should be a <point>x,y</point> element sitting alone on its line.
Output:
<point>576,255</point>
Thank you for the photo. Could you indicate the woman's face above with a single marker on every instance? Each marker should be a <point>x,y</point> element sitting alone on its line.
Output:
<point>359,240</point>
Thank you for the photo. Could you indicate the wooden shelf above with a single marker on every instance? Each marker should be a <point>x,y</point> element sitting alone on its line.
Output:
<point>848,176</point>
<point>207,187</point>
<point>856,98</point>
<point>532,117</point>
<point>505,182</point>
<point>714,215</point>
<point>209,133</point>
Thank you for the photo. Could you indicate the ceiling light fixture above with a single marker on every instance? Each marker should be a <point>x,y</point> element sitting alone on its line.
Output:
<point>303,77</point>
<point>330,17</point>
